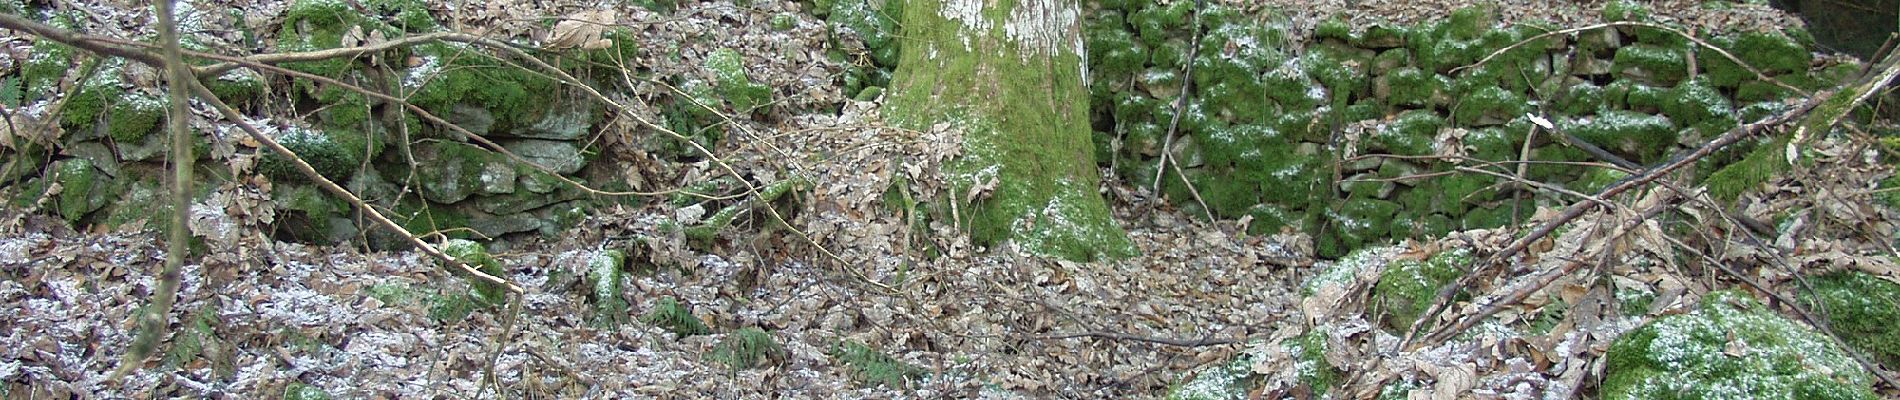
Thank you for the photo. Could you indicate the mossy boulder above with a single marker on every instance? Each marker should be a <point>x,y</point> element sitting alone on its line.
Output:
<point>1409,286</point>
<point>1861,308</point>
<point>729,76</point>
<point>83,188</point>
<point>1651,63</point>
<point>1771,53</point>
<point>866,26</point>
<point>1237,378</point>
<point>1732,347</point>
<point>336,154</point>
<point>455,171</point>
<point>476,256</point>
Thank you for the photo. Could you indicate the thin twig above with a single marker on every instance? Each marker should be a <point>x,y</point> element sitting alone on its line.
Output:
<point>1202,342</point>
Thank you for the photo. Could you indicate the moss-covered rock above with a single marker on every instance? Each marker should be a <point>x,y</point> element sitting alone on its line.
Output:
<point>866,25</point>
<point>1643,138</point>
<point>1733,348</point>
<point>1651,63</point>
<point>1408,287</point>
<point>1772,53</point>
<point>82,188</point>
<point>476,256</point>
<point>729,76</point>
<point>336,154</point>
<point>606,275</point>
<point>1237,378</point>
<point>457,170</point>
<point>1861,308</point>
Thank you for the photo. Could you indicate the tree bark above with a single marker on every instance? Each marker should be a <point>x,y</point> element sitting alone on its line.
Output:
<point>1010,73</point>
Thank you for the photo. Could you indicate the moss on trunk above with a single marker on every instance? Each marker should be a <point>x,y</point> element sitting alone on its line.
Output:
<point>1010,73</point>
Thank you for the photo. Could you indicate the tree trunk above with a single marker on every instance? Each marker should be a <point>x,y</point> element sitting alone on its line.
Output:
<point>1010,74</point>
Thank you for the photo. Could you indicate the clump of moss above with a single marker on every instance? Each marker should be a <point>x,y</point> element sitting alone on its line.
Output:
<point>1408,287</point>
<point>669,314</point>
<point>860,24</point>
<point>335,154</point>
<point>1732,347</point>
<point>1650,63</point>
<point>1772,53</point>
<point>1645,137</point>
<point>301,391</point>
<point>473,254</point>
<point>607,277</point>
<point>311,25</point>
<point>747,348</point>
<point>236,86</point>
<point>134,116</point>
<point>729,76</point>
<point>870,367</point>
<point>1861,308</point>
<point>1490,105</point>
<point>81,188</point>
<point>453,74</point>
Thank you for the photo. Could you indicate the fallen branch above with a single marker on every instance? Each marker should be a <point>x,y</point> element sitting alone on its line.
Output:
<point>1577,209</point>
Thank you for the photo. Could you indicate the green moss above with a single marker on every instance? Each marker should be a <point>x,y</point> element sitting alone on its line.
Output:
<point>188,344</point>
<point>1650,63</point>
<point>83,107</point>
<point>408,15</point>
<point>1731,348</point>
<point>1598,179</point>
<point>471,253</point>
<point>747,348</point>
<point>452,74</point>
<point>873,26</point>
<point>1748,174</point>
<point>1696,104</point>
<point>606,275</point>
<point>870,367</point>
<point>784,22</point>
<point>1489,105</point>
<point>1409,87</point>
<point>1334,28</point>
<point>1640,137</point>
<point>1412,133</point>
<point>1157,22</point>
<point>728,69</point>
<point>1772,53</point>
<point>1861,308</point>
<point>1359,222</point>
<point>237,86</point>
<point>83,189</point>
<point>48,64</point>
<point>134,116</point>
<point>1408,287</point>
<point>336,154</point>
<point>669,314</point>
<point>301,391</point>
<point>311,25</point>
<point>1625,10</point>
<point>1026,131</point>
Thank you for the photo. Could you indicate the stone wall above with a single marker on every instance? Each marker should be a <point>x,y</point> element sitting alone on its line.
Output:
<point>1355,133</point>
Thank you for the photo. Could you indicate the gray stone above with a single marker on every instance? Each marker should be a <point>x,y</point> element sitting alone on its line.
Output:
<point>153,145</point>
<point>497,225</point>
<point>450,172</point>
<point>498,178</point>
<point>100,156</point>
<point>476,120</point>
<point>560,157</point>
<point>565,123</point>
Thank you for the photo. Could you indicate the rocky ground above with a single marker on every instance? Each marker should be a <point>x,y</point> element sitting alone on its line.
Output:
<point>259,318</point>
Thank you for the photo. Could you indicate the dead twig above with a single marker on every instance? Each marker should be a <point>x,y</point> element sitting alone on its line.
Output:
<point>1577,209</point>
<point>1202,342</point>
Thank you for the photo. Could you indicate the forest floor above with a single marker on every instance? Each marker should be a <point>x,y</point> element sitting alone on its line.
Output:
<point>258,318</point>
